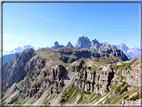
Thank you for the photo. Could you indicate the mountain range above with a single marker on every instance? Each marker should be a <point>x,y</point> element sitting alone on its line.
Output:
<point>88,73</point>
<point>71,76</point>
<point>82,42</point>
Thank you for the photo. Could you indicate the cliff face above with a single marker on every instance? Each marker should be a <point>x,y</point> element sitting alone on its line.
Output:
<point>95,81</point>
<point>83,42</point>
<point>16,71</point>
<point>52,77</point>
<point>112,52</point>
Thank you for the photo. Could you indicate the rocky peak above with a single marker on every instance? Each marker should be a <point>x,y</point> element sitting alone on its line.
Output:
<point>16,72</point>
<point>113,47</point>
<point>105,44</point>
<point>6,66</point>
<point>95,45</point>
<point>112,52</point>
<point>56,45</point>
<point>69,45</point>
<point>83,42</point>
<point>122,47</point>
<point>16,56</point>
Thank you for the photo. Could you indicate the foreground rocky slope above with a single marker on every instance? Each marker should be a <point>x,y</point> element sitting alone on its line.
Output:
<point>16,72</point>
<point>70,76</point>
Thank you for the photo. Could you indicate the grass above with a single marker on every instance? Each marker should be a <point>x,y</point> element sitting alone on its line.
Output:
<point>122,84</point>
<point>128,65</point>
<point>126,97</point>
<point>97,97</point>
<point>99,64</point>
<point>108,59</point>
<point>124,66</point>
<point>124,89</point>
<point>81,98</point>
<point>87,82</point>
<point>117,98</point>
<point>92,95</point>
<point>67,94</point>
<point>118,89</point>
<point>119,74</point>
<point>77,92</point>
<point>55,58</point>
<point>14,99</point>
<point>47,101</point>
<point>107,101</point>
<point>134,98</point>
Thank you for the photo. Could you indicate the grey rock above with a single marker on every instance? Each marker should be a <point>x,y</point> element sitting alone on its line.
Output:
<point>95,45</point>
<point>83,42</point>
<point>17,72</point>
<point>112,52</point>
<point>69,45</point>
<point>76,66</point>
<point>56,45</point>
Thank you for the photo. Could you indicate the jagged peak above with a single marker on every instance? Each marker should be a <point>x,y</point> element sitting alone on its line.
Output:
<point>113,47</point>
<point>69,43</point>
<point>56,43</point>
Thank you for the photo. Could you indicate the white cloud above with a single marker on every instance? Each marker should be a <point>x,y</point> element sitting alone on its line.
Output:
<point>26,43</point>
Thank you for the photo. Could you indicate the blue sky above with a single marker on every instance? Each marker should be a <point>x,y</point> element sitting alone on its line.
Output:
<point>41,24</point>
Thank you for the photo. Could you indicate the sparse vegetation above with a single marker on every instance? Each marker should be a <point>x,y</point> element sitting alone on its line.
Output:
<point>124,89</point>
<point>13,100</point>
<point>118,89</point>
<point>126,97</point>
<point>136,97</point>
<point>87,82</point>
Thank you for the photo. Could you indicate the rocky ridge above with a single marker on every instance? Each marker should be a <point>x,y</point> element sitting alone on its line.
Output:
<point>16,71</point>
<point>47,73</point>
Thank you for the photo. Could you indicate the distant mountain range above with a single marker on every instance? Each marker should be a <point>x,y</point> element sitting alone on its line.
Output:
<point>18,49</point>
<point>132,53</point>
<point>82,42</point>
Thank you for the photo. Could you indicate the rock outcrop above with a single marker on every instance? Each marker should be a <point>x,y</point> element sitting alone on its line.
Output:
<point>83,42</point>
<point>95,45</point>
<point>7,66</point>
<point>69,45</point>
<point>95,81</point>
<point>16,71</point>
<point>39,78</point>
<point>76,66</point>
<point>112,52</point>
<point>56,45</point>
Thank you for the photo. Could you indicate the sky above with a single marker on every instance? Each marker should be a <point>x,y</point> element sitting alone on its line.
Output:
<point>41,24</point>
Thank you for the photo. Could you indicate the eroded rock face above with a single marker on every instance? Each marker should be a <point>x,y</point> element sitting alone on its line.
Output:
<point>58,72</point>
<point>94,81</point>
<point>112,52</point>
<point>7,66</point>
<point>132,77</point>
<point>35,64</point>
<point>76,66</point>
<point>83,42</point>
<point>37,81</point>
<point>16,71</point>
<point>69,45</point>
<point>95,45</point>
<point>56,45</point>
